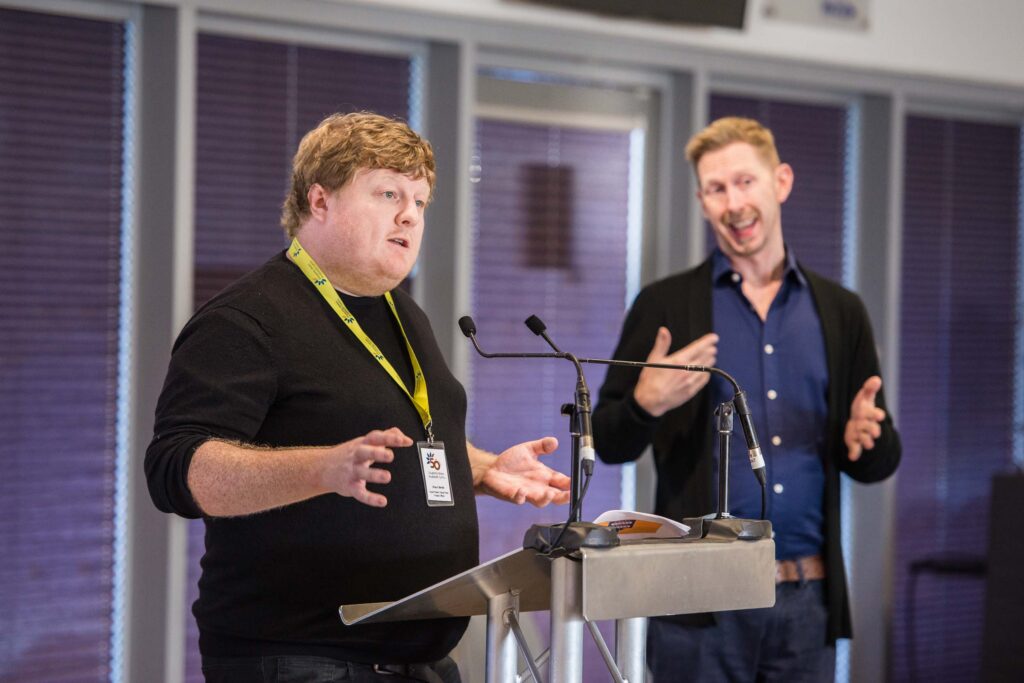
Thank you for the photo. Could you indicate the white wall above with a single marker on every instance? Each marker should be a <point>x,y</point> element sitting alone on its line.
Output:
<point>961,39</point>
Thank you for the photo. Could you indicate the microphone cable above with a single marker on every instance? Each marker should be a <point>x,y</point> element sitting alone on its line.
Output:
<point>557,544</point>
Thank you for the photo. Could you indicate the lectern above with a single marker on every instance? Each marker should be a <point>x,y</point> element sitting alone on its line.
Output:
<point>634,580</point>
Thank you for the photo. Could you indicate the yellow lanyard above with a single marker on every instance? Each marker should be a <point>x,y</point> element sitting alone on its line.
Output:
<point>419,395</point>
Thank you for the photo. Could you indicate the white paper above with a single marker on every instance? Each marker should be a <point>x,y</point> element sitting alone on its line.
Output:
<point>636,525</point>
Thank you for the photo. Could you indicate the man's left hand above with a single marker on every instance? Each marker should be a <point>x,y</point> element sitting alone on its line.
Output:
<point>864,425</point>
<point>518,476</point>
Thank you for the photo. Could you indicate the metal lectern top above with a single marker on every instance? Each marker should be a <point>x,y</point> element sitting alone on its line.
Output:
<point>639,578</point>
<point>466,594</point>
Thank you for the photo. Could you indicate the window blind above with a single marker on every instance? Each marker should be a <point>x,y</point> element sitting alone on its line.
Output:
<point>574,279</point>
<point>61,117</point>
<point>960,269</point>
<point>255,101</point>
<point>549,239</point>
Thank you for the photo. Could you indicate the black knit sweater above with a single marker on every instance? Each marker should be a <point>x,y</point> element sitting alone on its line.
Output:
<point>683,438</point>
<point>267,362</point>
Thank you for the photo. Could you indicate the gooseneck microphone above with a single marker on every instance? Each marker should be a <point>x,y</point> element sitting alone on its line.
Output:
<point>468,328</point>
<point>549,538</point>
<point>587,454</point>
<point>753,447</point>
<point>538,327</point>
<point>584,534</point>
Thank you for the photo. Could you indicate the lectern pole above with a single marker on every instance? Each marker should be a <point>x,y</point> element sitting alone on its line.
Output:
<point>501,645</point>
<point>566,665</point>
<point>631,648</point>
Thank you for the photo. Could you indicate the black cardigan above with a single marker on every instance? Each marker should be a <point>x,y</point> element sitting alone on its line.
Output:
<point>683,437</point>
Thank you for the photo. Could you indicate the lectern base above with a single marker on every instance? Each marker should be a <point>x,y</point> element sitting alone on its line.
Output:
<point>541,537</point>
<point>729,528</point>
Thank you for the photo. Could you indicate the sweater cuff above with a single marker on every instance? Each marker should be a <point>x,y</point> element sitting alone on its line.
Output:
<point>637,412</point>
<point>190,508</point>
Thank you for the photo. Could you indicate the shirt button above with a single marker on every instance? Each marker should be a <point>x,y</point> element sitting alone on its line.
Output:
<point>776,440</point>
<point>777,488</point>
<point>772,395</point>
<point>769,349</point>
<point>735,277</point>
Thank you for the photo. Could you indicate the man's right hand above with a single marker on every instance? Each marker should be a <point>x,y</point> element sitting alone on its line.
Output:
<point>229,479</point>
<point>349,466</point>
<point>659,390</point>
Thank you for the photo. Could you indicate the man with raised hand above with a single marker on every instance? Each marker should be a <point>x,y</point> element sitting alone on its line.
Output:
<point>802,348</point>
<point>309,418</point>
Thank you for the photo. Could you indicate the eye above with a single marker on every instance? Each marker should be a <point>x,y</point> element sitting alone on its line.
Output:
<point>421,204</point>
<point>390,194</point>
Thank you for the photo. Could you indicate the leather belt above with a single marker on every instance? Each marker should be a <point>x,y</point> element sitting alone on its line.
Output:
<point>417,672</point>
<point>808,568</point>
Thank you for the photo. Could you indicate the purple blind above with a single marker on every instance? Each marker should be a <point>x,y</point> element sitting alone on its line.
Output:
<point>575,183</point>
<point>960,236</point>
<point>549,238</point>
<point>61,112</point>
<point>812,139</point>
<point>256,99</point>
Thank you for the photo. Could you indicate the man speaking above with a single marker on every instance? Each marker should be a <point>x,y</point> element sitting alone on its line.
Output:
<point>309,418</point>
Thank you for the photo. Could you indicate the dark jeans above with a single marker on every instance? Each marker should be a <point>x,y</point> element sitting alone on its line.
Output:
<point>305,669</point>
<point>786,642</point>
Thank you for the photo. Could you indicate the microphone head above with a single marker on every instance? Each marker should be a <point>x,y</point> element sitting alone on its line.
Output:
<point>536,325</point>
<point>467,326</point>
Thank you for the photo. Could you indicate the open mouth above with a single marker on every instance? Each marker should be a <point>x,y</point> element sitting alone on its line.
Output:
<point>743,228</point>
<point>400,242</point>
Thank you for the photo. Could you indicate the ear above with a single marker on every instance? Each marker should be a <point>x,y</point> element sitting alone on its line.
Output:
<point>703,209</point>
<point>783,182</point>
<point>317,197</point>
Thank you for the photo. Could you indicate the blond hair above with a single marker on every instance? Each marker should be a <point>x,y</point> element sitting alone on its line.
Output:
<point>340,145</point>
<point>725,131</point>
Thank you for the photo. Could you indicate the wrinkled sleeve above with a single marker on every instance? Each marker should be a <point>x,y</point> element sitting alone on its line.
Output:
<point>623,429</point>
<point>220,384</point>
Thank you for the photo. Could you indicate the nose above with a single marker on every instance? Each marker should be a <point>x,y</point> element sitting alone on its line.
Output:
<point>734,198</point>
<point>408,213</point>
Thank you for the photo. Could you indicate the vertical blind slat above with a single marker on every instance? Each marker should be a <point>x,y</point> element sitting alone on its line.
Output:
<point>960,218</point>
<point>61,109</point>
<point>549,226</point>
<point>549,238</point>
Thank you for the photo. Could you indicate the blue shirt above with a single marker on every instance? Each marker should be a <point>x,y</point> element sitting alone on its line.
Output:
<point>781,364</point>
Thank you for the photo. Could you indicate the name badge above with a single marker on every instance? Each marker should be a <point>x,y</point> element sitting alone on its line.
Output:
<point>436,482</point>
